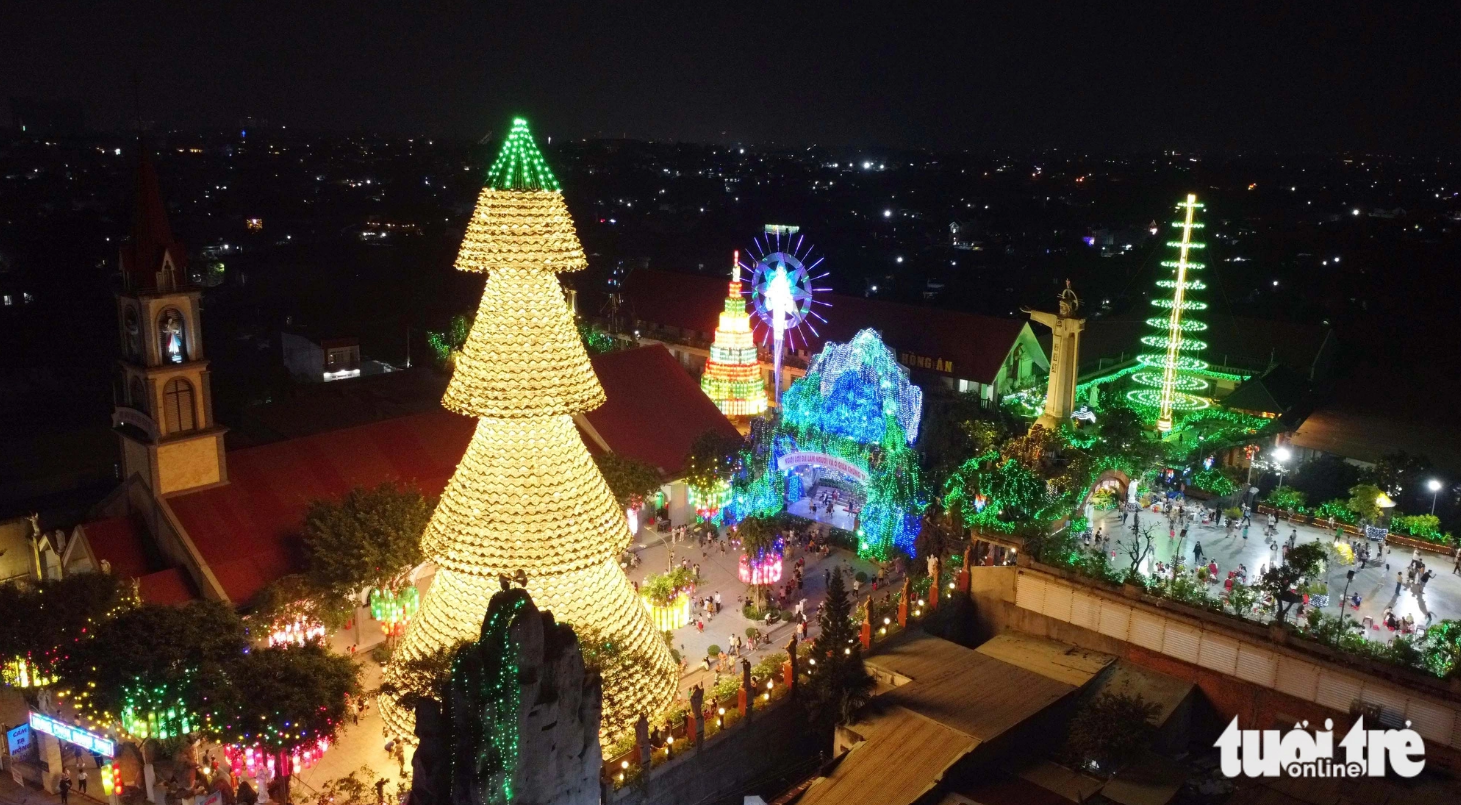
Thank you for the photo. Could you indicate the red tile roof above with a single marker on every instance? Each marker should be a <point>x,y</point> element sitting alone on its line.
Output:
<point>169,587</point>
<point>977,345</point>
<point>122,542</point>
<point>247,530</point>
<point>655,410</point>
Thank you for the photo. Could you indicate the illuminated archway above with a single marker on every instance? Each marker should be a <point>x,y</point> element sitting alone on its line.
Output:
<point>853,418</point>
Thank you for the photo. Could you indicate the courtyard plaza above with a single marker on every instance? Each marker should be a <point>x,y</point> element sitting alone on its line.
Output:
<point>719,571</point>
<point>1374,583</point>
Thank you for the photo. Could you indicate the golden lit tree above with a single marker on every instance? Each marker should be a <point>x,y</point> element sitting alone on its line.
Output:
<point>527,498</point>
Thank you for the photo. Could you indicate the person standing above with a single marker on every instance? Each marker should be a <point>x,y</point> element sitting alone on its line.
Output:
<point>65,788</point>
<point>1245,530</point>
<point>1398,584</point>
<point>81,779</point>
<point>1197,553</point>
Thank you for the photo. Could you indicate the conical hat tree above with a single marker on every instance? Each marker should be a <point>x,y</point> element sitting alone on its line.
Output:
<point>527,497</point>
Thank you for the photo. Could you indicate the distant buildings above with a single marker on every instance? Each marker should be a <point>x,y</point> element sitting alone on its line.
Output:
<point>961,352</point>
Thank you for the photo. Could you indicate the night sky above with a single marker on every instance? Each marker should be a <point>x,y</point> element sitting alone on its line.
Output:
<point>943,76</point>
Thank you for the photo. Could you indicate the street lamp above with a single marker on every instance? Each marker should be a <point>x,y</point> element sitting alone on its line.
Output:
<point>1344,599</point>
<point>1435,487</point>
<point>1281,455</point>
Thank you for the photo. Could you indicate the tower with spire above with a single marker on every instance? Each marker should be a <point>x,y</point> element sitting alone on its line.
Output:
<point>732,377</point>
<point>163,414</point>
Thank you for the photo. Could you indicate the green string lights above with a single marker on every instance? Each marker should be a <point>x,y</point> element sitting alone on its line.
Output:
<point>520,165</point>
<point>486,678</point>
<point>1171,375</point>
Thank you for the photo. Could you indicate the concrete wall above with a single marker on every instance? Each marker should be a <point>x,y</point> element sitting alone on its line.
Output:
<point>732,763</point>
<point>1243,669</point>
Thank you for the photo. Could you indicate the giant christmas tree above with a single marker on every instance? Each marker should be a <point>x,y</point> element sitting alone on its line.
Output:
<point>733,374</point>
<point>1173,372</point>
<point>526,499</point>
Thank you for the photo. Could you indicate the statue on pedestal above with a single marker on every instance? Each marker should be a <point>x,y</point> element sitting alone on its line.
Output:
<point>1066,327</point>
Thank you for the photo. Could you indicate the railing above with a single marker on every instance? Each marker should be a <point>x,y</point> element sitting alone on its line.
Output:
<point>722,712</point>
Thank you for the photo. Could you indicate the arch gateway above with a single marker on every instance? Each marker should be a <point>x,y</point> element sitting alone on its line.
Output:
<point>840,450</point>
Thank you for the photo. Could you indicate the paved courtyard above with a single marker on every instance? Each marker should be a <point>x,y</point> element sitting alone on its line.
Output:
<point>718,572</point>
<point>1375,583</point>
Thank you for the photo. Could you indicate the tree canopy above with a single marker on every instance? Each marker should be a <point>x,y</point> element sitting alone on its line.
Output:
<point>629,479</point>
<point>711,461</point>
<point>284,697</point>
<point>1302,561</point>
<point>43,620</point>
<point>1111,729</point>
<point>370,538</point>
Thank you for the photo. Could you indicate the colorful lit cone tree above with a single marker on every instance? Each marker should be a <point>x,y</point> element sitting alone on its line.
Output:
<point>733,374</point>
<point>527,498</point>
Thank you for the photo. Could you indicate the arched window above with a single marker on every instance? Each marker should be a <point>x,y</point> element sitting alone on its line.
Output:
<point>177,406</point>
<point>172,337</point>
<point>137,396</point>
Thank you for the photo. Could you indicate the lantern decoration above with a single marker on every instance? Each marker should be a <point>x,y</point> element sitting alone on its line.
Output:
<point>527,499</point>
<point>297,632</point>
<point>669,616</point>
<point>394,609</point>
<point>708,504</point>
<point>257,759</point>
<point>22,673</point>
<point>764,567</point>
<point>732,378</point>
<point>145,716</point>
<point>1172,374</point>
<point>108,775</point>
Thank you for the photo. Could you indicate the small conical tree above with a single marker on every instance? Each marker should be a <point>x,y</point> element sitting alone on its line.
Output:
<point>837,683</point>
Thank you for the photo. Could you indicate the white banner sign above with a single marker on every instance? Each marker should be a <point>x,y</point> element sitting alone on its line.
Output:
<point>827,462</point>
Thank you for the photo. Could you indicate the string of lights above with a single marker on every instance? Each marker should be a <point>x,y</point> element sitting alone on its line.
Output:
<point>526,500</point>
<point>1172,375</point>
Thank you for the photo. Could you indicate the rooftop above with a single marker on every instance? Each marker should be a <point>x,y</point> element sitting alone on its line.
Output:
<point>975,345</point>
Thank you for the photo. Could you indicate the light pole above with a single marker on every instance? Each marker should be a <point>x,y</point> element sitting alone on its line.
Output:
<point>1435,487</point>
<point>1281,456</point>
<point>1344,599</point>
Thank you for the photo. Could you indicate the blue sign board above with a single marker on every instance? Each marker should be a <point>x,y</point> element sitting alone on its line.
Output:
<point>91,742</point>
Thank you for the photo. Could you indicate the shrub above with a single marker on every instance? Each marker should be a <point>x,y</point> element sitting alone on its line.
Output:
<point>381,653</point>
<point>1214,481</point>
<point>1287,498</point>
<point>712,651</point>
<point>1337,508</point>
<point>1424,526</point>
<point>752,632</point>
<point>861,577</point>
<point>1232,512</point>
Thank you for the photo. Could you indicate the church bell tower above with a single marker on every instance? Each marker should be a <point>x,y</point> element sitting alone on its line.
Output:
<point>163,415</point>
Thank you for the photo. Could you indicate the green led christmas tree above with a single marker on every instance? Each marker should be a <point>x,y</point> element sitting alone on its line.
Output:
<point>1172,373</point>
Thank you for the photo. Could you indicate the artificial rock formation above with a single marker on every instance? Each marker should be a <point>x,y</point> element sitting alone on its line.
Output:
<point>520,720</point>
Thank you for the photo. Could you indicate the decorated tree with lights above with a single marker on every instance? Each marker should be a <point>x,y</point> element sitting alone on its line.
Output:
<point>837,682</point>
<point>732,376</point>
<point>526,500</point>
<point>1172,374</point>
